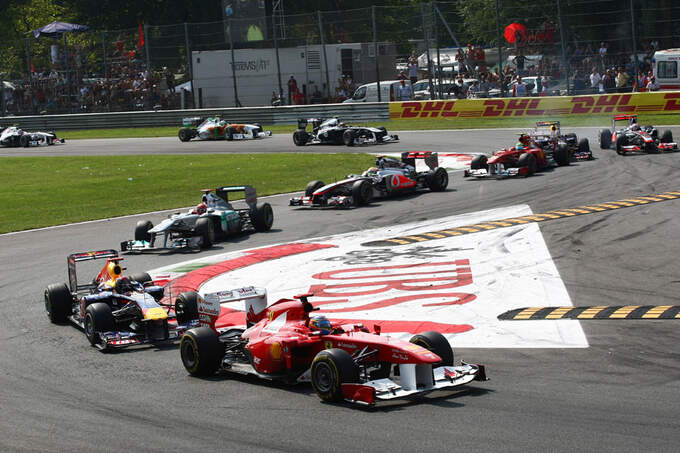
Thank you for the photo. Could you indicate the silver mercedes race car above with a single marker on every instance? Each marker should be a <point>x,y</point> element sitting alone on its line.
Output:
<point>330,131</point>
<point>213,219</point>
<point>13,137</point>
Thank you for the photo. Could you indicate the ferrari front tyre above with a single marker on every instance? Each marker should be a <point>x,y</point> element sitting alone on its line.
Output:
<point>583,146</point>
<point>201,352</point>
<point>206,230</point>
<point>620,143</point>
<point>348,137</point>
<point>263,217</point>
<point>529,161</point>
<point>186,307</point>
<point>362,192</point>
<point>562,155</point>
<point>667,136</point>
<point>142,230</point>
<point>478,162</point>
<point>437,343</point>
<point>184,134</point>
<point>605,139</point>
<point>141,277</point>
<point>438,179</point>
<point>330,369</point>
<point>313,187</point>
<point>98,319</point>
<point>300,137</point>
<point>58,302</point>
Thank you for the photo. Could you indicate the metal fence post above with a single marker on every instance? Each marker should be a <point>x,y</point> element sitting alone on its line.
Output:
<point>427,51</point>
<point>499,38</point>
<point>635,57</point>
<point>147,41</point>
<point>565,64</point>
<point>439,61</point>
<point>28,58</point>
<point>190,60</point>
<point>278,61</point>
<point>325,57</point>
<point>237,103</point>
<point>106,71</point>
<point>375,49</point>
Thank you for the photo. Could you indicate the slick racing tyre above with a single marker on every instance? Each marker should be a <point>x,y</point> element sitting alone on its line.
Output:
<point>620,143</point>
<point>348,137</point>
<point>528,161</point>
<point>330,369</point>
<point>262,217</point>
<point>201,351</point>
<point>435,342</point>
<point>184,134</point>
<point>562,156</point>
<point>583,146</point>
<point>98,318</point>
<point>605,139</point>
<point>478,162</point>
<point>186,307</point>
<point>379,136</point>
<point>438,179</point>
<point>58,302</point>
<point>667,136</point>
<point>300,138</point>
<point>206,230</point>
<point>24,141</point>
<point>313,187</point>
<point>142,230</point>
<point>141,277</point>
<point>362,192</point>
<point>229,133</point>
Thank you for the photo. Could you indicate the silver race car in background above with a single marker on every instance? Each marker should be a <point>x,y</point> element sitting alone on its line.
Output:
<point>213,219</point>
<point>332,132</point>
<point>13,136</point>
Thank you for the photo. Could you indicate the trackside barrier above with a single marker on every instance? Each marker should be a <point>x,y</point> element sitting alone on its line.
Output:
<point>550,106</point>
<point>369,111</point>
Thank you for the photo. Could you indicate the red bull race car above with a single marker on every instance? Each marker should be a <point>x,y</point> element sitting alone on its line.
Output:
<point>216,128</point>
<point>634,138</point>
<point>549,136</point>
<point>282,342</point>
<point>388,178</point>
<point>116,311</point>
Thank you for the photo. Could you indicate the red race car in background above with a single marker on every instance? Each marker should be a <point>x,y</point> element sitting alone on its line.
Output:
<point>343,362</point>
<point>634,138</point>
<point>523,159</point>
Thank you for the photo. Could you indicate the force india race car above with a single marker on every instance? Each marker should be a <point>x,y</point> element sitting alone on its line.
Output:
<point>333,132</point>
<point>548,136</point>
<point>12,136</point>
<point>117,311</point>
<point>215,128</point>
<point>213,219</point>
<point>343,362</point>
<point>389,177</point>
<point>633,138</point>
<point>523,159</point>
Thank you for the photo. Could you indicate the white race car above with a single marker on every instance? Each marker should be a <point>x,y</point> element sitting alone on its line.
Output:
<point>13,136</point>
<point>216,128</point>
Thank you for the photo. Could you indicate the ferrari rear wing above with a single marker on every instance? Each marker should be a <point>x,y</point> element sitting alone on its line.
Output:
<point>431,159</point>
<point>74,258</point>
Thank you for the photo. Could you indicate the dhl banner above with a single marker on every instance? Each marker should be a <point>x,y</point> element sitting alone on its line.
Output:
<point>657,103</point>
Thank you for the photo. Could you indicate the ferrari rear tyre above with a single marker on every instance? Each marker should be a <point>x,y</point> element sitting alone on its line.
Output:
<point>348,137</point>
<point>24,141</point>
<point>186,307</point>
<point>141,277</point>
<point>142,230</point>
<point>529,161</point>
<point>201,351</point>
<point>620,143</point>
<point>330,369</point>
<point>583,146</point>
<point>98,319</point>
<point>206,230</point>
<point>263,217</point>
<point>313,187</point>
<point>362,192</point>
<point>437,343</point>
<point>605,139</point>
<point>667,136</point>
<point>438,179</point>
<point>562,155</point>
<point>58,302</point>
<point>300,138</point>
<point>478,162</point>
<point>184,134</point>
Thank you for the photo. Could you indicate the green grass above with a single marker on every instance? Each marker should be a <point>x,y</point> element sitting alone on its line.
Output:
<point>391,125</point>
<point>43,191</point>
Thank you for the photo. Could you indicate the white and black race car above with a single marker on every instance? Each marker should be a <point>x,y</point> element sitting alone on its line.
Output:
<point>13,136</point>
<point>332,132</point>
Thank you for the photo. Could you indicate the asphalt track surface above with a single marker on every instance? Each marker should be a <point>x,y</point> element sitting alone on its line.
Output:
<point>620,394</point>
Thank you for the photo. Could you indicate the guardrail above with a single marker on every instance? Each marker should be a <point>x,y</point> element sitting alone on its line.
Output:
<point>369,111</point>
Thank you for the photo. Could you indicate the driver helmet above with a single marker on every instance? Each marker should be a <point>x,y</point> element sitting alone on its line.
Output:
<point>635,127</point>
<point>114,270</point>
<point>320,323</point>
<point>372,171</point>
<point>123,285</point>
<point>519,146</point>
<point>201,208</point>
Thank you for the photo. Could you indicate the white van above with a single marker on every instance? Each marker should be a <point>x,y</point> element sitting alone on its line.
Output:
<point>665,64</point>
<point>369,92</point>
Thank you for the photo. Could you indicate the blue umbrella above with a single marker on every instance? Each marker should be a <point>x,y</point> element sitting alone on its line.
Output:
<point>56,29</point>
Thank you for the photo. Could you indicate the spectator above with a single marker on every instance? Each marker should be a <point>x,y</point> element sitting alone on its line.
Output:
<point>276,99</point>
<point>603,54</point>
<point>652,85</point>
<point>519,63</point>
<point>608,82</point>
<point>595,80</point>
<point>413,68</point>
<point>519,89</point>
<point>401,76</point>
<point>579,83</point>
<point>316,95</point>
<point>621,81</point>
<point>292,88</point>
<point>404,91</point>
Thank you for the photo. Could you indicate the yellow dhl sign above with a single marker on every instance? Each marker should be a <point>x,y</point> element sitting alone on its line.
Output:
<point>657,102</point>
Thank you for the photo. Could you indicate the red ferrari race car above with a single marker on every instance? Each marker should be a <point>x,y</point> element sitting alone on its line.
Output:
<point>117,311</point>
<point>523,159</point>
<point>343,362</point>
<point>634,138</point>
<point>388,178</point>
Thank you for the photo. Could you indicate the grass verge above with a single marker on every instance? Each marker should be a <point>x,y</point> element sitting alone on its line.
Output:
<point>43,191</point>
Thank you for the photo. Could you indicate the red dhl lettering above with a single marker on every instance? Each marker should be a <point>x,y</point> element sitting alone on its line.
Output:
<point>671,101</point>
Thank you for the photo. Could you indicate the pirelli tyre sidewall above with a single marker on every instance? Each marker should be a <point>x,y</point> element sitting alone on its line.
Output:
<point>58,302</point>
<point>200,351</point>
<point>437,343</point>
<point>330,369</point>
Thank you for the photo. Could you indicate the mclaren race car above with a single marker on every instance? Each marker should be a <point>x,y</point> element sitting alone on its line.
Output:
<point>13,136</point>
<point>635,138</point>
<point>216,128</point>
<point>523,159</point>
<point>281,342</point>
<point>548,136</point>
<point>117,311</point>
<point>388,178</point>
<point>332,132</point>
<point>213,219</point>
